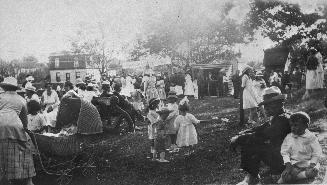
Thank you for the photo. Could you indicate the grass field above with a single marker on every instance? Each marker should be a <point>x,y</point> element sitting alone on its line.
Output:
<point>123,159</point>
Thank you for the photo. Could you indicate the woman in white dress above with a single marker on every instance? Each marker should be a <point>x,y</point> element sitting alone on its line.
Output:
<point>161,88</point>
<point>189,88</point>
<point>51,102</point>
<point>129,88</point>
<point>312,75</point>
<point>151,91</point>
<point>250,97</point>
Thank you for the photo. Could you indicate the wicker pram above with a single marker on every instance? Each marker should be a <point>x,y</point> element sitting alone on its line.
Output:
<point>61,155</point>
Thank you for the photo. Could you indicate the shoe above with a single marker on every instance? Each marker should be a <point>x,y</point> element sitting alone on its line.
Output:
<point>163,161</point>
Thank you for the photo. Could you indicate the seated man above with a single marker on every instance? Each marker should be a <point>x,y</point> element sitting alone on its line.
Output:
<point>263,143</point>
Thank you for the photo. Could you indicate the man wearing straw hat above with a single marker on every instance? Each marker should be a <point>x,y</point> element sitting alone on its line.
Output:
<point>263,143</point>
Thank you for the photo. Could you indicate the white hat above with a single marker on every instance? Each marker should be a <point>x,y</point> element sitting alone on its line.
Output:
<point>30,88</point>
<point>10,81</point>
<point>30,78</point>
<point>105,82</point>
<point>90,85</point>
<point>245,68</point>
<point>272,94</point>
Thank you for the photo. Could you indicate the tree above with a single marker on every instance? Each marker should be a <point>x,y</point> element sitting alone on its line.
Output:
<point>193,39</point>
<point>94,45</point>
<point>287,25</point>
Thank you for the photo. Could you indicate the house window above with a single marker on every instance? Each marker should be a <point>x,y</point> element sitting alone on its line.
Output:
<point>58,77</point>
<point>67,76</point>
<point>56,62</point>
<point>78,75</point>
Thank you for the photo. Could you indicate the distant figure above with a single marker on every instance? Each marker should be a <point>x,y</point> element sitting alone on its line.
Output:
<point>189,89</point>
<point>225,82</point>
<point>236,79</point>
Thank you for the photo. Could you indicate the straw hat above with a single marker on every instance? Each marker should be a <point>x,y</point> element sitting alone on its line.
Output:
<point>105,82</point>
<point>164,111</point>
<point>79,81</point>
<point>272,94</point>
<point>258,73</point>
<point>10,81</point>
<point>245,68</point>
<point>30,88</point>
<point>29,78</point>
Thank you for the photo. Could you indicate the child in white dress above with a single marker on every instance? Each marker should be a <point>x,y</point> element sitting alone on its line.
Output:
<point>187,135</point>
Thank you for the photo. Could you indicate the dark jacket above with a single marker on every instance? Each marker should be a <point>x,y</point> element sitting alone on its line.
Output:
<point>272,133</point>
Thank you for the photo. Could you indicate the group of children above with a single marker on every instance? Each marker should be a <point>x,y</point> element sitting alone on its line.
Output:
<point>170,124</point>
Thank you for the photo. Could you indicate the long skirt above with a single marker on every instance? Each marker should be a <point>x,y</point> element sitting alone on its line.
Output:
<point>16,159</point>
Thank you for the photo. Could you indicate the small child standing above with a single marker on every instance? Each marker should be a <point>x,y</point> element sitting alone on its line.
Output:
<point>160,135</point>
<point>171,129</point>
<point>36,121</point>
<point>187,135</point>
<point>300,150</point>
<point>152,118</point>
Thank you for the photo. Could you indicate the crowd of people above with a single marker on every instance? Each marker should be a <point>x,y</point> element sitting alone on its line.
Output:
<point>286,145</point>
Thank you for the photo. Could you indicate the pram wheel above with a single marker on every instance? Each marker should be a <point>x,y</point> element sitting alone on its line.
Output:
<point>65,179</point>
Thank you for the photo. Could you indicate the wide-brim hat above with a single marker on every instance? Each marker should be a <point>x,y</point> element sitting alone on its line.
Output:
<point>153,101</point>
<point>245,68</point>
<point>105,82</point>
<point>259,73</point>
<point>30,78</point>
<point>272,94</point>
<point>164,111</point>
<point>90,85</point>
<point>172,92</point>
<point>30,88</point>
<point>172,96</point>
<point>10,81</point>
<point>79,81</point>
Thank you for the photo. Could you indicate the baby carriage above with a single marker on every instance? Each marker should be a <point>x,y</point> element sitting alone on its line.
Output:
<point>62,154</point>
<point>113,116</point>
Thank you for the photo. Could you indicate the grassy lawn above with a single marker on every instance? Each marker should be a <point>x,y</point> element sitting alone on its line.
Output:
<point>123,159</point>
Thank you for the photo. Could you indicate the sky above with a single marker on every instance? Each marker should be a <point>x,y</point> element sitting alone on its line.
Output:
<point>41,27</point>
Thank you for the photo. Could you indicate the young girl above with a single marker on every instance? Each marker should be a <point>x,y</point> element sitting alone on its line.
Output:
<point>36,121</point>
<point>250,97</point>
<point>187,135</point>
<point>171,129</point>
<point>152,118</point>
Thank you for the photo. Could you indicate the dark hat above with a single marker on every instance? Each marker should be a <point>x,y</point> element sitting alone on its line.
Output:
<point>272,94</point>
<point>172,96</point>
<point>153,101</point>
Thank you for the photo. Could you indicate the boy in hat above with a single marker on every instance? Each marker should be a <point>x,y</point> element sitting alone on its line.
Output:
<point>300,150</point>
